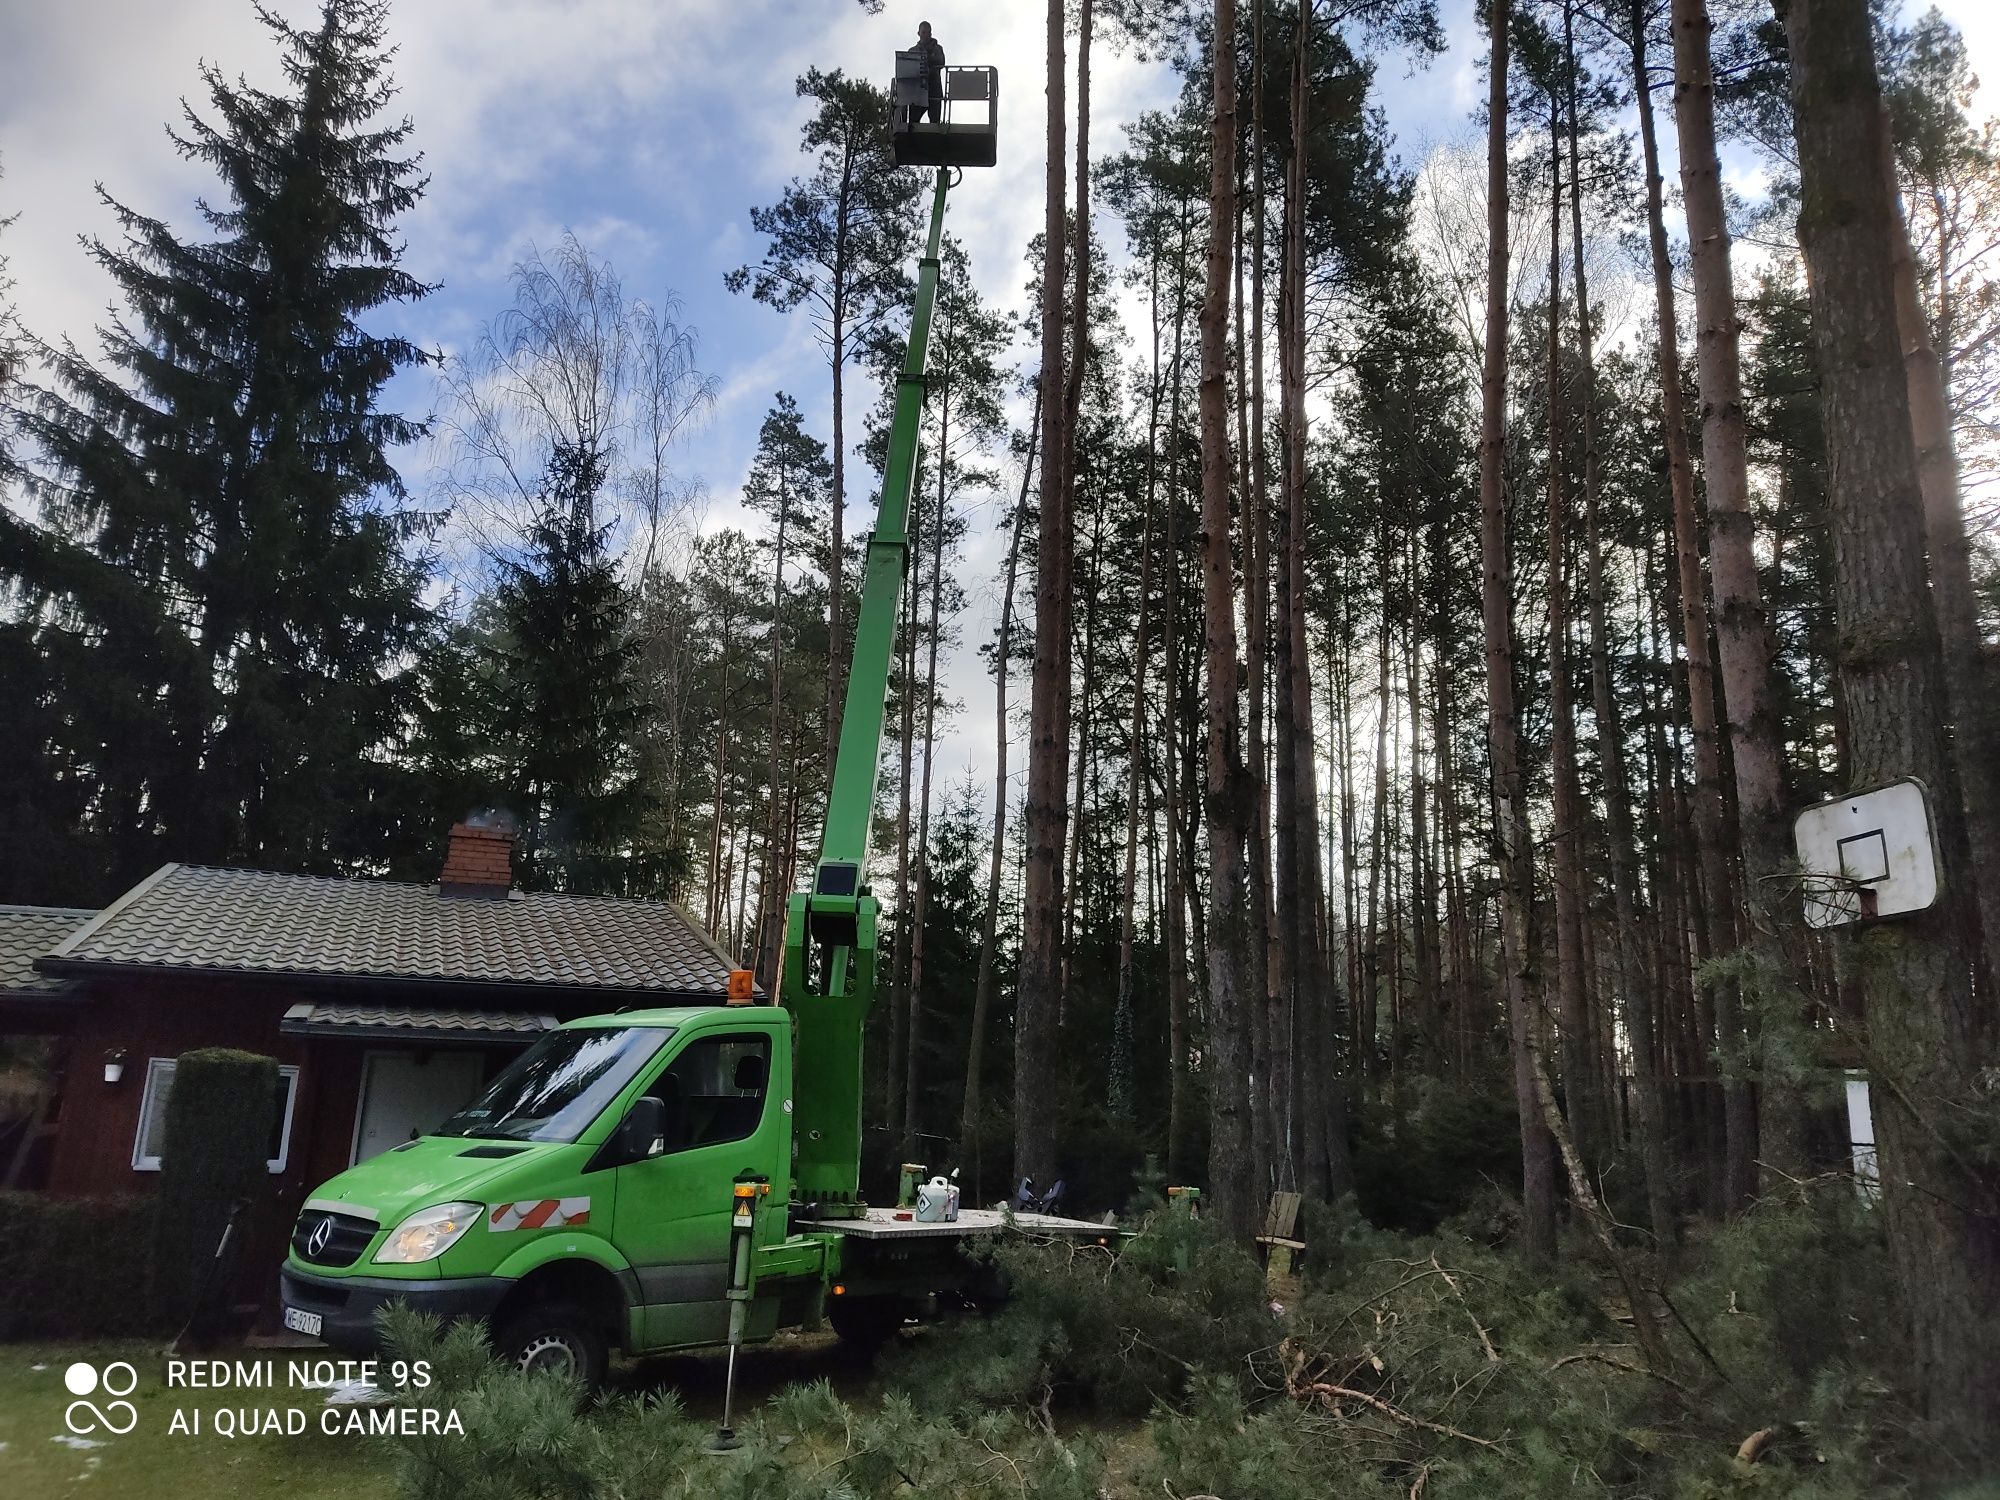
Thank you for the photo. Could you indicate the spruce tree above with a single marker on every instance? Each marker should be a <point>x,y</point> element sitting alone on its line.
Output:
<point>567,710</point>
<point>227,583</point>
<point>39,805</point>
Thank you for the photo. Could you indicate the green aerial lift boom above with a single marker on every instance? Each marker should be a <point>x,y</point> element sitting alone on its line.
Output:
<point>830,930</point>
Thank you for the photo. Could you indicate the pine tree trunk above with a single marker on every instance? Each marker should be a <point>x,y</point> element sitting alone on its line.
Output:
<point>913,1088</point>
<point>969,1131</point>
<point>1076,880</point>
<point>1368,1036</point>
<point>1340,684</point>
<point>1975,716</point>
<point>1711,836</point>
<point>899,971</point>
<point>1427,978</point>
<point>739,932</point>
<point>771,896</point>
<point>1510,803</point>
<point>1280,1025</point>
<point>1123,1041</point>
<point>1180,1099</point>
<point>718,887</point>
<point>1072,403</point>
<point>1265,1027</point>
<point>1458,934</point>
<point>1566,797</point>
<point>1230,967</point>
<point>1742,642</point>
<point>1590,1208</point>
<point>1039,996</point>
<point>1926,1040</point>
<point>836,570</point>
<point>1321,1101</point>
<point>1630,970</point>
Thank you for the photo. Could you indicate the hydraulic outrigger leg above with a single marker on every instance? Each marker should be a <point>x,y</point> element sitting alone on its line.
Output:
<point>829,958</point>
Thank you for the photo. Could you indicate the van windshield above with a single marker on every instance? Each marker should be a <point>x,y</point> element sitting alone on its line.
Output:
<point>557,1087</point>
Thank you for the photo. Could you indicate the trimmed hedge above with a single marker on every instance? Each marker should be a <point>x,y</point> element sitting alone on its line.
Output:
<point>218,1126</point>
<point>74,1268</point>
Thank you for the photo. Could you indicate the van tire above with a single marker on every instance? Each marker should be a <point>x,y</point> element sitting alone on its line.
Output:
<point>557,1336</point>
<point>865,1323</point>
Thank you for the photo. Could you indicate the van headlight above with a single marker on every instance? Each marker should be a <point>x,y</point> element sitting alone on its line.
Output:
<point>427,1233</point>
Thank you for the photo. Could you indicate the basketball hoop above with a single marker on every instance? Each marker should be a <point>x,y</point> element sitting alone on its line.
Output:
<point>1867,856</point>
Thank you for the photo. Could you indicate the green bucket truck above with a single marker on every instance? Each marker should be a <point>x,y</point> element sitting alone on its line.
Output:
<point>584,1201</point>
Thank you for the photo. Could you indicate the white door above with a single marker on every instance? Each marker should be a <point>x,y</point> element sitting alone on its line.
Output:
<point>405,1094</point>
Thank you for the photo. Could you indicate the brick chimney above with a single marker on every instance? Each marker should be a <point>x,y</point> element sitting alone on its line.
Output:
<point>479,859</point>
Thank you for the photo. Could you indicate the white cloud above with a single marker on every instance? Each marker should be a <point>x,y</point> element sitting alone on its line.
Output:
<point>650,126</point>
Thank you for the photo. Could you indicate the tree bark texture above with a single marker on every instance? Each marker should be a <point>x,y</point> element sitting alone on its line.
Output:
<point>1226,1061</point>
<point>982,994</point>
<point>1572,1007</point>
<point>1039,996</point>
<point>1742,640</point>
<point>1975,713</point>
<point>1510,803</point>
<point>1925,1041</point>
<point>1633,983</point>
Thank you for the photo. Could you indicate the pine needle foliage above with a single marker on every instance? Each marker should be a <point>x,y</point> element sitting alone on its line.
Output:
<point>1431,1366</point>
<point>526,1439</point>
<point>1443,1366</point>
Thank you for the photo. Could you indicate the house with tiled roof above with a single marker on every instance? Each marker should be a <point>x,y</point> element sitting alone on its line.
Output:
<point>387,1005</point>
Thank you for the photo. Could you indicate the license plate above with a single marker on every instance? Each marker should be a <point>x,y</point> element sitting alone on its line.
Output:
<point>299,1321</point>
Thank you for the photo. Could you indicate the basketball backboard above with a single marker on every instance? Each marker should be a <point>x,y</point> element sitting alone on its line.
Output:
<point>1868,855</point>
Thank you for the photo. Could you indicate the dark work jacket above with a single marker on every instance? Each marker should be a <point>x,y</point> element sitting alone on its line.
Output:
<point>932,55</point>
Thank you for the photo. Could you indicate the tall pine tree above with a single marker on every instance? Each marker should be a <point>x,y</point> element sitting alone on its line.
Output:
<point>836,243</point>
<point>226,586</point>
<point>789,481</point>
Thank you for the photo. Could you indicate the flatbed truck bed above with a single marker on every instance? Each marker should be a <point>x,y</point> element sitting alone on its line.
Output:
<point>972,1223</point>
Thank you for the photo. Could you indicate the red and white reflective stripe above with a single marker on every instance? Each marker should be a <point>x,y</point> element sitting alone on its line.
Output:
<point>539,1213</point>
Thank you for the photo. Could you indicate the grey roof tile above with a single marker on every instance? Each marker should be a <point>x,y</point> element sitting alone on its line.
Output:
<point>369,1017</point>
<point>257,922</point>
<point>28,932</point>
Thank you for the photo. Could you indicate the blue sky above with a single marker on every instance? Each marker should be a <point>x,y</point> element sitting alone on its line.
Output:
<point>650,127</point>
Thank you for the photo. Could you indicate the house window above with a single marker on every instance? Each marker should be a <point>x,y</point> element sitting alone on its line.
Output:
<point>151,1140</point>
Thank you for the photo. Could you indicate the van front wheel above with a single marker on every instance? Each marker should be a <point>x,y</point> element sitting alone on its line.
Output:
<point>559,1337</point>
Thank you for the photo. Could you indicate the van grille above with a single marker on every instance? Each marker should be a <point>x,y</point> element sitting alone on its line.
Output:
<point>345,1237</point>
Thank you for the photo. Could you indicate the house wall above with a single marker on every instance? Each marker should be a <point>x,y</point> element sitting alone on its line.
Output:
<point>151,1018</point>
<point>155,1017</point>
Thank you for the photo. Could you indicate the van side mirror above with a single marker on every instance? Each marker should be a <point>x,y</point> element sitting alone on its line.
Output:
<point>643,1131</point>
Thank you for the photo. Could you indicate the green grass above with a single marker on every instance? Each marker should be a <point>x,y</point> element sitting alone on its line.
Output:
<point>156,1463</point>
